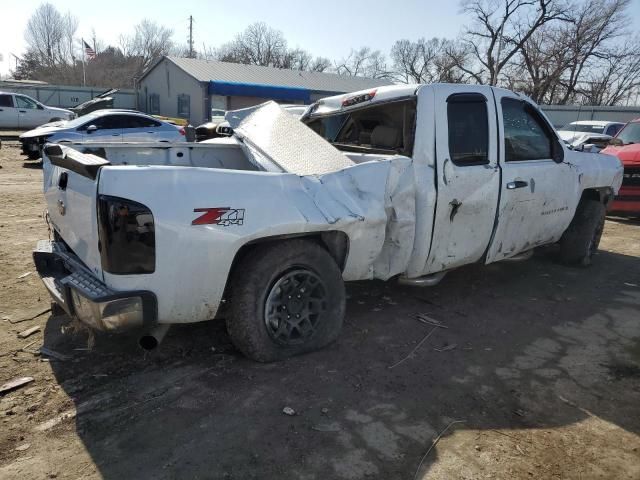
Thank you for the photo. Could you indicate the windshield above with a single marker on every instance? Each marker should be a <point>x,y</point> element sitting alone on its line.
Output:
<point>630,133</point>
<point>387,127</point>
<point>575,127</point>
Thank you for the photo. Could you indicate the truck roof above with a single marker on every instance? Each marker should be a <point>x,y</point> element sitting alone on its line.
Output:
<point>370,95</point>
<point>599,123</point>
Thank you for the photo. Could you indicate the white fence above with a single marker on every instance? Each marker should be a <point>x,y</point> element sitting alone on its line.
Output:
<point>66,96</point>
<point>562,114</point>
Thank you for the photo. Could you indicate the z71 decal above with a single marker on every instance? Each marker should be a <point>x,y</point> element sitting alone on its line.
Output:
<point>224,216</point>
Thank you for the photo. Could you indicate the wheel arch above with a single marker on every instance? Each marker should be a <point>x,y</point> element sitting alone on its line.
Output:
<point>603,195</point>
<point>335,242</point>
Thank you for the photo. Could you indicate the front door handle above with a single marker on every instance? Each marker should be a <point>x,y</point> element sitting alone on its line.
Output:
<point>517,184</point>
<point>22,111</point>
<point>115,134</point>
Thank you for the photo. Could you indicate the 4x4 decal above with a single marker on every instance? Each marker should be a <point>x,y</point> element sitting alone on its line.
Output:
<point>223,216</point>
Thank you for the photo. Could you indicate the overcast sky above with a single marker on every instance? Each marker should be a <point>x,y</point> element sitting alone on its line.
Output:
<point>329,28</point>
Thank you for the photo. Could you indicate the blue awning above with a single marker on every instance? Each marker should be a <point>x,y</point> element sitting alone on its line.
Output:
<point>259,90</point>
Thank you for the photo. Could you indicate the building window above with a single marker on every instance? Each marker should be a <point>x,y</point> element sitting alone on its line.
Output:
<point>184,106</point>
<point>154,104</point>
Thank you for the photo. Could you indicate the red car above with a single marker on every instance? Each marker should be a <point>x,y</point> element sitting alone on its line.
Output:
<point>626,146</point>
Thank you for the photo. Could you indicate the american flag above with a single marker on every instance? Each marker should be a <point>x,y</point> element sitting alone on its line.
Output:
<point>89,52</point>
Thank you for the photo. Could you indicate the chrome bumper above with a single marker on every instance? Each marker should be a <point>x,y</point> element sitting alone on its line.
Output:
<point>83,296</point>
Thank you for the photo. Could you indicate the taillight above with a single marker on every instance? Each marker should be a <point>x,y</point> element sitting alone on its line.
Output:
<point>127,236</point>
<point>182,132</point>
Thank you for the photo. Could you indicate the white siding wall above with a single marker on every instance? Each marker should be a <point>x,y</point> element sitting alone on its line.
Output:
<point>169,82</point>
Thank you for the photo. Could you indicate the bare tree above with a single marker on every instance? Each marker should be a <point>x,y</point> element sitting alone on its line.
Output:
<point>563,60</point>
<point>588,38</point>
<point>363,62</point>
<point>149,42</point>
<point>262,45</point>
<point>500,29</point>
<point>615,79</point>
<point>49,35</point>
<point>428,61</point>
<point>258,44</point>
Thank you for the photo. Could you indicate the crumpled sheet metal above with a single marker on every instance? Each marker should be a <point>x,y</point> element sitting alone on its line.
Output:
<point>374,204</point>
<point>269,131</point>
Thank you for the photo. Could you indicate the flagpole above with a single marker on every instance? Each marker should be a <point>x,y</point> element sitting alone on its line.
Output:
<point>84,74</point>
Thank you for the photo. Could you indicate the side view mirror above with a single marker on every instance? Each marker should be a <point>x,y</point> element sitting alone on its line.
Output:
<point>91,129</point>
<point>40,107</point>
<point>558,152</point>
<point>616,142</point>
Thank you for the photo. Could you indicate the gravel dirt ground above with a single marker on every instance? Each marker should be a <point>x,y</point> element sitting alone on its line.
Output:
<point>535,373</point>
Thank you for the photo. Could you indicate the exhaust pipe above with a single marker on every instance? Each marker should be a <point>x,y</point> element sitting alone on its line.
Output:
<point>151,339</point>
<point>426,281</point>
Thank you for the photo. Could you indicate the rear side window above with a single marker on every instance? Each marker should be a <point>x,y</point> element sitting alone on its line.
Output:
<point>386,128</point>
<point>468,129</point>
<point>6,101</point>
<point>108,122</point>
<point>526,136</point>
<point>134,121</point>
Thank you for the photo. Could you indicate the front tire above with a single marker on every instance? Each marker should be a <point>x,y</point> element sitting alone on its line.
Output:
<point>581,240</point>
<point>287,298</point>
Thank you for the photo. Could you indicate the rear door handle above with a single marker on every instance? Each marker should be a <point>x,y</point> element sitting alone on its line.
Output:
<point>115,134</point>
<point>22,111</point>
<point>517,184</point>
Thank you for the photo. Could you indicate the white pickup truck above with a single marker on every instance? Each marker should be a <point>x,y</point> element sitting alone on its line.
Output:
<point>263,228</point>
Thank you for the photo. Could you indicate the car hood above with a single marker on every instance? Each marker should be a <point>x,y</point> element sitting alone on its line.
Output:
<point>628,154</point>
<point>572,136</point>
<point>60,110</point>
<point>46,129</point>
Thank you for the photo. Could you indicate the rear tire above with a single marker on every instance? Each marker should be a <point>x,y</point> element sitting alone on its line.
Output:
<point>287,298</point>
<point>581,240</point>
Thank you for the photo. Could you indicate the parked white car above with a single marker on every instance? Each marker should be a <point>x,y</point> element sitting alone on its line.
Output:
<point>102,126</point>
<point>404,182</point>
<point>21,112</point>
<point>576,133</point>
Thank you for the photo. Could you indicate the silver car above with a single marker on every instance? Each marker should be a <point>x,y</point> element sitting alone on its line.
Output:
<point>102,126</point>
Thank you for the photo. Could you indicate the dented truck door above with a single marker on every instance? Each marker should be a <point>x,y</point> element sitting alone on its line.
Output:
<point>539,190</point>
<point>467,176</point>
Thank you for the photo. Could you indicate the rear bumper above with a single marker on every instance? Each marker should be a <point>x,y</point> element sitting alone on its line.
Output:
<point>83,296</point>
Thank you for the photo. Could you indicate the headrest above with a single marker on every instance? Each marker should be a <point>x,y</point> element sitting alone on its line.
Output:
<point>386,137</point>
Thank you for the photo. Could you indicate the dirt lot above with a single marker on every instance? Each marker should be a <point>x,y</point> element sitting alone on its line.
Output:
<point>536,375</point>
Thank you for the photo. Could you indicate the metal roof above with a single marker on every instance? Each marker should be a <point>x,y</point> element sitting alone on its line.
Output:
<point>208,70</point>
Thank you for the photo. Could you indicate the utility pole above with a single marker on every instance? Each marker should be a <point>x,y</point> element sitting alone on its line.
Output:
<point>191,55</point>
